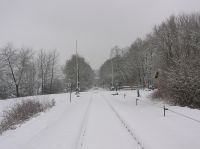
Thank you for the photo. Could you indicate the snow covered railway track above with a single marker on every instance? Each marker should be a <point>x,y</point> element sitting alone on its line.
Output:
<point>126,126</point>
<point>80,140</point>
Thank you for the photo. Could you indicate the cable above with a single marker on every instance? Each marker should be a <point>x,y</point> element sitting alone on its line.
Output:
<point>140,100</point>
<point>183,115</point>
<point>180,114</point>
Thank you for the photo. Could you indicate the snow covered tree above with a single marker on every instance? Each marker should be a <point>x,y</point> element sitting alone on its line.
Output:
<point>178,40</point>
<point>172,50</point>
<point>86,74</point>
<point>15,62</point>
<point>47,71</point>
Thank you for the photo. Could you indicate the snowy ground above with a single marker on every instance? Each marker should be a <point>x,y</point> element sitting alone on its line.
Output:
<point>99,120</point>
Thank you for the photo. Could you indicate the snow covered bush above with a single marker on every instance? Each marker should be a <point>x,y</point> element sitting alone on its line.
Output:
<point>183,83</point>
<point>178,41</point>
<point>23,111</point>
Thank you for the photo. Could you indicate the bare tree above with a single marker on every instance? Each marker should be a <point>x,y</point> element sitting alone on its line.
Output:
<point>15,61</point>
<point>53,63</point>
<point>172,50</point>
<point>46,70</point>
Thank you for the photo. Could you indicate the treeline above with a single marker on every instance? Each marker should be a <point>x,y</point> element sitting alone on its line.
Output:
<point>167,58</point>
<point>23,73</point>
<point>86,74</point>
<point>26,73</point>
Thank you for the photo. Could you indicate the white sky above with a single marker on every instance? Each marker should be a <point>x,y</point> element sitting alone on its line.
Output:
<point>98,25</point>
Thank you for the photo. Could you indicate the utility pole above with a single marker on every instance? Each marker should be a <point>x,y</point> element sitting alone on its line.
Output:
<point>77,71</point>
<point>112,69</point>
<point>70,90</point>
<point>112,74</point>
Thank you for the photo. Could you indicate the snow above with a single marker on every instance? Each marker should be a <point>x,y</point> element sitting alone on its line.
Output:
<point>99,120</point>
<point>104,130</point>
<point>7,104</point>
<point>153,129</point>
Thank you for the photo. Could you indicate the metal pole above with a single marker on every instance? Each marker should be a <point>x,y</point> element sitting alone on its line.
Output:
<point>69,85</point>
<point>77,69</point>
<point>138,92</point>
<point>70,94</point>
<point>165,110</point>
<point>112,73</point>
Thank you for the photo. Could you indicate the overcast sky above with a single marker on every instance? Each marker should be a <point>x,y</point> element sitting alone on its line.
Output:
<point>98,25</point>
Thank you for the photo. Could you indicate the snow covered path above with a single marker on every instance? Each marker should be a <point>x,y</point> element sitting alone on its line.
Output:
<point>88,123</point>
<point>152,129</point>
<point>98,120</point>
<point>57,128</point>
<point>104,130</point>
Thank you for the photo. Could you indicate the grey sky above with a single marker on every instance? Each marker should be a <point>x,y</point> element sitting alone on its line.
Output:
<point>98,25</point>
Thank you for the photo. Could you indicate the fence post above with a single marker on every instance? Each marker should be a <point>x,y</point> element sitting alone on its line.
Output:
<point>138,93</point>
<point>164,108</point>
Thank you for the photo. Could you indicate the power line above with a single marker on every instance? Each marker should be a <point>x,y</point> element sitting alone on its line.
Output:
<point>178,113</point>
<point>183,115</point>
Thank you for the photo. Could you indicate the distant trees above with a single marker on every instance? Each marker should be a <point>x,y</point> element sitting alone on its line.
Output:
<point>22,73</point>
<point>86,74</point>
<point>46,65</point>
<point>113,65</point>
<point>172,50</point>
<point>130,66</point>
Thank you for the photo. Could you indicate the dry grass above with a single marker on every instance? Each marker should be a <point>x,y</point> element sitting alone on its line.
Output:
<point>20,112</point>
<point>156,95</point>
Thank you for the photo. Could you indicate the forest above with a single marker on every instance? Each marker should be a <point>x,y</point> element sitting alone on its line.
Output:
<point>24,72</point>
<point>166,59</point>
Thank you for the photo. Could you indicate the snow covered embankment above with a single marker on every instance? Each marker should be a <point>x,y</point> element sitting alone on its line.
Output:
<point>153,129</point>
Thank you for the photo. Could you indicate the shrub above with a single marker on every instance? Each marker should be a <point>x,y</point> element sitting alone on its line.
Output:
<point>181,83</point>
<point>21,112</point>
<point>156,95</point>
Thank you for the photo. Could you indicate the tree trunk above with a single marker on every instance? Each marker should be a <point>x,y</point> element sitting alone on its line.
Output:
<point>17,90</point>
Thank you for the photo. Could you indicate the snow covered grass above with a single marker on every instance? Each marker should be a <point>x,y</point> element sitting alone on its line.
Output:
<point>56,128</point>
<point>9,103</point>
<point>21,112</point>
<point>150,126</point>
<point>62,126</point>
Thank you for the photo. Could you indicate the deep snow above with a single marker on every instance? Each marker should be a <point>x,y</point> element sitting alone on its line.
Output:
<point>99,120</point>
